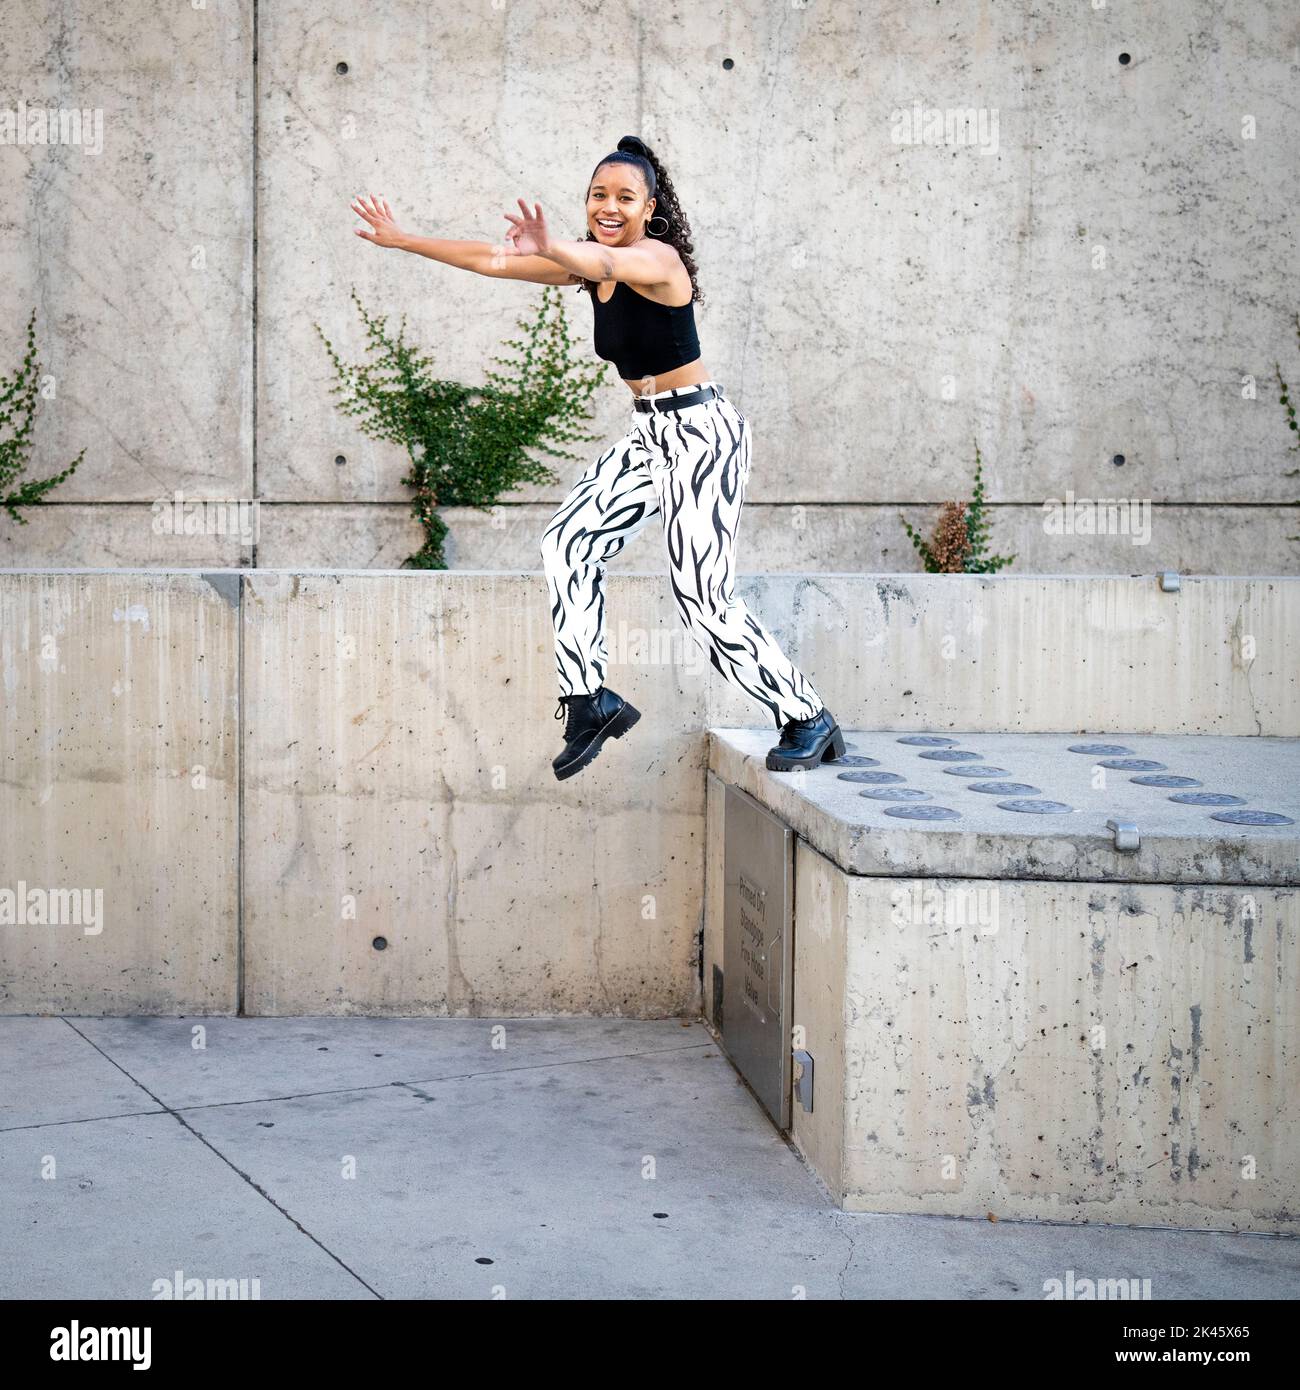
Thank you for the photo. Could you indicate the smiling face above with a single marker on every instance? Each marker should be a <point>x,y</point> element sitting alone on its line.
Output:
<point>617,205</point>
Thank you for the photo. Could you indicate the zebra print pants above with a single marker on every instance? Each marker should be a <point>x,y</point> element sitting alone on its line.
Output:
<point>691,467</point>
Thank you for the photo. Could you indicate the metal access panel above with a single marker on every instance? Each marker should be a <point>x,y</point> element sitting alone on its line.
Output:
<point>758,922</point>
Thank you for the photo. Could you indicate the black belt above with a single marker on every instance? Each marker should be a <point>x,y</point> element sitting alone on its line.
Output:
<point>677,402</point>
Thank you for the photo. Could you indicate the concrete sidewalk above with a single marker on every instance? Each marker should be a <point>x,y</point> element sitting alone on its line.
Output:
<point>451,1158</point>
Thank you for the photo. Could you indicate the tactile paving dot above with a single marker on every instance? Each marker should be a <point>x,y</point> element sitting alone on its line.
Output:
<point>1034,807</point>
<point>975,770</point>
<point>1006,788</point>
<point>1208,799</point>
<point>896,793</point>
<point>924,812</point>
<point>1167,780</point>
<point>1253,817</point>
<point>951,755</point>
<point>872,777</point>
<point>1132,764</point>
<point>1102,750</point>
<point>854,761</point>
<point>928,740</point>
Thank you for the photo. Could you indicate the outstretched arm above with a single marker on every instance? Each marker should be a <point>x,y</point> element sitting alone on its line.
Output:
<point>499,262</point>
<point>652,263</point>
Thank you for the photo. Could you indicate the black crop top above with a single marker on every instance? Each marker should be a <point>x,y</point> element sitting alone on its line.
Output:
<point>642,337</point>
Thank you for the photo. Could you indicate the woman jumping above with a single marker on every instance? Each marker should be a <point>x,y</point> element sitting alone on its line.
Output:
<point>685,456</point>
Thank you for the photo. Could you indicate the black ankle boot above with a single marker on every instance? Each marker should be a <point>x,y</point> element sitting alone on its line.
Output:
<point>592,719</point>
<point>807,742</point>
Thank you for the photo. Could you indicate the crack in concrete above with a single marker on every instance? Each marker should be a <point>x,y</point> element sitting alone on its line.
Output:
<point>261,1191</point>
<point>165,1109</point>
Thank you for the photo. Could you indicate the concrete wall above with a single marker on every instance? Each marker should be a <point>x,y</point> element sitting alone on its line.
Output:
<point>266,773</point>
<point>1117,1053</point>
<point>1097,286</point>
<point>400,787</point>
<point>120,745</point>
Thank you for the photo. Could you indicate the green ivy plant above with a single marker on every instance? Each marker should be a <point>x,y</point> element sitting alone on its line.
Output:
<point>17,408</point>
<point>961,534</point>
<point>469,445</point>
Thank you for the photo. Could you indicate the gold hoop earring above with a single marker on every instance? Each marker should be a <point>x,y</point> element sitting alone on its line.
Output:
<point>650,231</point>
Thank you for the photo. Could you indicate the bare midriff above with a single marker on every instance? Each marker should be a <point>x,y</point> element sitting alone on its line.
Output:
<point>688,375</point>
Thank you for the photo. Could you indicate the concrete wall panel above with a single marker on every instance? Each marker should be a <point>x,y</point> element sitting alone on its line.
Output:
<point>406,778</point>
<point>120,747</point>
<point>1108,1053</point>
<point>821,1012</point>
<point>1111,274</point>
<point>1036,653</point>
<point>139,258</point>
<point>451,113</point>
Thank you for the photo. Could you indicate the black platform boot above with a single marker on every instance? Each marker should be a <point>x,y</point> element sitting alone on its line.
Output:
<point>807,742</point>
<point>592,719</point>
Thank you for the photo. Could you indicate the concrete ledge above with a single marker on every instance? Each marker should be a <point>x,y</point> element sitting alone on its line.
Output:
<point>1105,1053</point>
<point>320,791</point>
<point>1177,843</point>
<point>994,1028</point>
<point>997,653</point>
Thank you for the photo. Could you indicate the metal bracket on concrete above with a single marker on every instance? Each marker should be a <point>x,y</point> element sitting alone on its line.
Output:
<point>1126,835</point>
<point>803,1079</point>
<point>1170,581</point>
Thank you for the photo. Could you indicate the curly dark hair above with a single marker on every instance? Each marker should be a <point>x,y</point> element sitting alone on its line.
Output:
<point>633,150</point>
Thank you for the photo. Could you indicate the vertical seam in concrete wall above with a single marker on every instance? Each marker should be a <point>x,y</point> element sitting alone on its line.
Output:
<point>239,805</point>
<point>239,612</point>
<point>253,163</point>
<point>788,989</point>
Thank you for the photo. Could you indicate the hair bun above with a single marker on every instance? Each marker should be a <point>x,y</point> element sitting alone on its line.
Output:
<point>633,144</point>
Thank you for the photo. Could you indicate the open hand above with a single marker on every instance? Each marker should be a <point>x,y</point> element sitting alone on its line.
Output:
<point>385,231</point>
<point>527,235</point>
